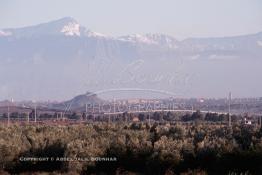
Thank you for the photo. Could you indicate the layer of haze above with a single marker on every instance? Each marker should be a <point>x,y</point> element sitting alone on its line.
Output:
<point>179,18</point>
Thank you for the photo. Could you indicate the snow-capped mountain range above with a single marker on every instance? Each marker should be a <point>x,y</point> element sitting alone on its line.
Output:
<point>67,45</point>
<point>136,45</point>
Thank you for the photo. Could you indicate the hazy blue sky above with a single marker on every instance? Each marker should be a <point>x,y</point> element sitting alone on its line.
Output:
<point>180,18</point>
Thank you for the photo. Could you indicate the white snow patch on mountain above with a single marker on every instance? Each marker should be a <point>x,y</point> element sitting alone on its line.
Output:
<point>94,34</point>
<point>151,39</point>
<point>137,38</point>
<point>163,40</point>
<point>3,33</point>
<point>71,29</point>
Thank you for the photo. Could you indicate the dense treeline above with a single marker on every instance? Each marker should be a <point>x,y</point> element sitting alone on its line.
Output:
<point>127,117</point>
<point>139,148</point>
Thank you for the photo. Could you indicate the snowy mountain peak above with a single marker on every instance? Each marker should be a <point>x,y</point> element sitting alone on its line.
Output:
<point>65,26</point>
<point>71,29</point>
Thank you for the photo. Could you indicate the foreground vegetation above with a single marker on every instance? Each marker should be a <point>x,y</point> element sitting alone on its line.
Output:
<point>138,147</point>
